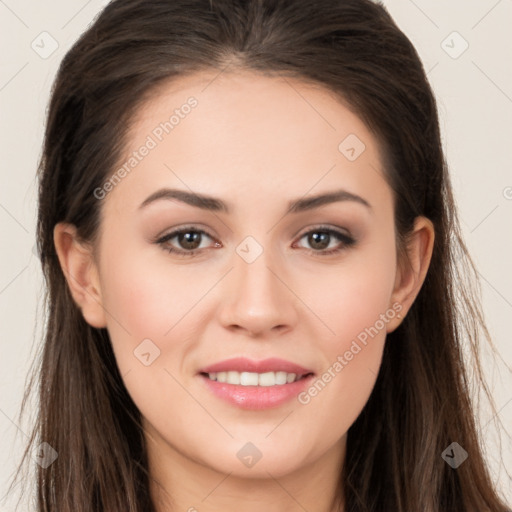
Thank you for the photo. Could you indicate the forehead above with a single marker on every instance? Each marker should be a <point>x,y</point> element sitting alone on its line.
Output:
<point>219,132</point>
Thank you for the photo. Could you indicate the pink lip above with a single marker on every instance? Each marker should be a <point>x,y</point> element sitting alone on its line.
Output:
<point>242,364</point>
<point>256,397</point>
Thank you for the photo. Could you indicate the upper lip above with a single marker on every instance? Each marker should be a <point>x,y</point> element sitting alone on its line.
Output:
<point>242,364</point>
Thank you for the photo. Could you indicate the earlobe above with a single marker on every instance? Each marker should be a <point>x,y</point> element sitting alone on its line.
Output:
<point>412,272</point>
<point>81,273</point>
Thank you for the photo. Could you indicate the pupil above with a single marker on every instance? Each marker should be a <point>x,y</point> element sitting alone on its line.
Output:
<point>189,239</point>
<point>319,240</point>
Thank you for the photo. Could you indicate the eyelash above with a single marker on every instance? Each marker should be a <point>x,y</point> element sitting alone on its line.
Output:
<point>347,240</point>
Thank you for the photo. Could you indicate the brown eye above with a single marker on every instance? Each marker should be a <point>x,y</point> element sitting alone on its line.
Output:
<point>188,241</point>
<point>320,238</point>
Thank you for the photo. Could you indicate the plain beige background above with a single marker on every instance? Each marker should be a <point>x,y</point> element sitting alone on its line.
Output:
<point>466,48</point>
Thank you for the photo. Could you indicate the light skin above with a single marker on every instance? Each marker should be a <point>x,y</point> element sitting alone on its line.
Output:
<point>256,143</point>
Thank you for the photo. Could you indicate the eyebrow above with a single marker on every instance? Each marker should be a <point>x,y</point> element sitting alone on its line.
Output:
<point>217,205</point>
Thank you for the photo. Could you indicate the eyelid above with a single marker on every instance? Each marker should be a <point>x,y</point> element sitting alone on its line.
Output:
<point>192,227</point>
<point>160,239</point>
<point>323,227</point>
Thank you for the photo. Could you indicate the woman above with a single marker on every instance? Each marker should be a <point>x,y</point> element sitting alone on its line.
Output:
<point>249,239</point>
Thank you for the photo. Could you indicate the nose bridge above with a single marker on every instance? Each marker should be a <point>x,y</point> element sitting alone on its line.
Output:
<point>258,299</point>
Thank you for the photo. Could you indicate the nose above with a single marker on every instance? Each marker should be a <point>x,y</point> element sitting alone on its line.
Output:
<point>257,298</point>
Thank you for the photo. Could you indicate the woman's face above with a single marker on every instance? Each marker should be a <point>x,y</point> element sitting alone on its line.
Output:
<point>261,271</point>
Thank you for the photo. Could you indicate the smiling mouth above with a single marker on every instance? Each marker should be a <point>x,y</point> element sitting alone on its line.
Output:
<point>265,379</point>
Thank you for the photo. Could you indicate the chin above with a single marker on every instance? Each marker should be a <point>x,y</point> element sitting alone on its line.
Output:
<point>246,459</point>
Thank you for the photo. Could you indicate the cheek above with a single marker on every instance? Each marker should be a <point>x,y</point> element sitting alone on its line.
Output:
<point>355,306</point>
<point>353,297</point>
<point>149,311</point>
<point>144,303</point>
<point>149,297</point>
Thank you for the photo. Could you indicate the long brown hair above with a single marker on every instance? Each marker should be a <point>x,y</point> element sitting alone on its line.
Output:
<point>421,402</point>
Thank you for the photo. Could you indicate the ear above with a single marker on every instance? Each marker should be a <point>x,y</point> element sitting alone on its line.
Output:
<point>411,273</point>
<point>81,273</point>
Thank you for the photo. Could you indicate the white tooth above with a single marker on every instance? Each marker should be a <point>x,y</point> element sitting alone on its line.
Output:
<point>280,377</point>
<point>233,377</point>
<point>290,377</point>
<point>248,379</point>
<point>254,379</point>
<point>267,379</point>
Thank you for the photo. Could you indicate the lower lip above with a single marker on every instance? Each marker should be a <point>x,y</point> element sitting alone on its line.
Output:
<point>257,397</point>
